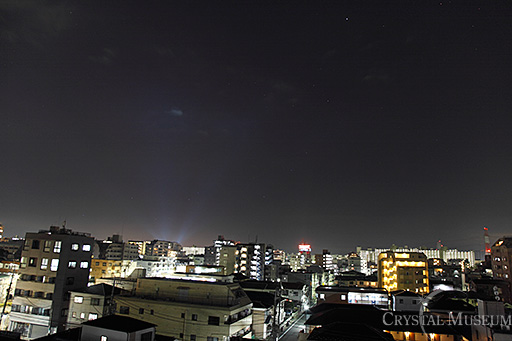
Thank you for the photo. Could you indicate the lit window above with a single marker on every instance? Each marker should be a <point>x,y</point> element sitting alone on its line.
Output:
<point>54,265</point>
<point>84,265</point>
<point>47,245</point>
<point>57,246</point>
<point>75,247</point>
<point>82,315</point>
<point>86,247</point>
<point>79,299</point>
<point>93,316</point>
<point>103,338</point>
<point>72,264</point>
<point>44,263</point>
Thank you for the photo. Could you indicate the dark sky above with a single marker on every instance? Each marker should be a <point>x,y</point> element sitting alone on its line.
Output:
<point>338,123</point>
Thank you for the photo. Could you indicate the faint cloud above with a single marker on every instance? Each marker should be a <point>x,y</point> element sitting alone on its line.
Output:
<point>106,57</point>
<point>174,112</point>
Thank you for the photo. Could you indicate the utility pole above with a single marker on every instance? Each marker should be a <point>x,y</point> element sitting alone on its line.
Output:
<point>111,303</point>
<point>275,323</point>
<point>8,293</point>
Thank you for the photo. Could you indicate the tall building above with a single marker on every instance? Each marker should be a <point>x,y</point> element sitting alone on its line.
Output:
<point>501,258</point>
<point>403,271</point>
<point>324,260</point>
<point>227,258</point>
<point>212,253</point>
<point>250,260</point>
<point>113,248</point>
<point>53,263</point>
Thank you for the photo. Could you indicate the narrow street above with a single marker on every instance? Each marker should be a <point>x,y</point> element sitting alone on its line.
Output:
<point>291,333</point>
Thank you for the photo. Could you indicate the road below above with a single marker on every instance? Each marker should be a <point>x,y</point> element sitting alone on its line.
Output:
<point>291,333</point>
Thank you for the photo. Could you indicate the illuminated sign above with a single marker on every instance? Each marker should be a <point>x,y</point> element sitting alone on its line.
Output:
<point>304,248</point>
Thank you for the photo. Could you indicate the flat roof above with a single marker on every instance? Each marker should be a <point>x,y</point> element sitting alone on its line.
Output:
<point>120,323</point>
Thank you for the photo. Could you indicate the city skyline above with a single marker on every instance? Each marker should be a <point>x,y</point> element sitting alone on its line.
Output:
<point>335,123</point>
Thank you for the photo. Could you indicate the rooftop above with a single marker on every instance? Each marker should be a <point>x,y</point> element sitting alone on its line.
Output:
<point>120,323</point>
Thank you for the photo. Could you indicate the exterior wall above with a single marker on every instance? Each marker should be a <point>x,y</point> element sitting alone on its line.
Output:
<point>89,307</point>
<point>106,268</point>
<point>181,320</point>
<point>91,333</point>
<point>53,263</point>
<point>261,330</point>
<point>501,258</point>
<point>406,303</point>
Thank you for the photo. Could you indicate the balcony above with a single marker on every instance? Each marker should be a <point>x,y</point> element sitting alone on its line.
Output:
<point>237,317</point>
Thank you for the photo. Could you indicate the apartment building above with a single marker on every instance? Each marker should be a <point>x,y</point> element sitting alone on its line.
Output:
<point>53,262</point>
<point>403,271</point>
<point>190,310</point>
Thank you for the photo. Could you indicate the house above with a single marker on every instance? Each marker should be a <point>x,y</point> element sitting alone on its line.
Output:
<point>403,300</point>
<point>90,303</point>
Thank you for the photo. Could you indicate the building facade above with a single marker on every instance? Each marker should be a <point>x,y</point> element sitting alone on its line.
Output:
<point>190,310</point>
<point>403,271</point>
<point>501,259</point>
<point>53,262</point>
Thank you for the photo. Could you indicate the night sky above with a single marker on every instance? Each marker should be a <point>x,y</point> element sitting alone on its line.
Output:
<point>338,123</point>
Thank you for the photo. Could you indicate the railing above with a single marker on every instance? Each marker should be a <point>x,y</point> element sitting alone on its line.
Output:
<point>239,317</point>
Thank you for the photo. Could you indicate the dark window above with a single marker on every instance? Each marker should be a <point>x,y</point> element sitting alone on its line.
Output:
<point>211,338</point>
<point>70,280</point>
<point>213,320</point>
<point>35,244</point>
<point>181,335</point>
<point>95,301</point>
<point>64,312</point>
<point>192,337</point>
<point>151,312</point>
<point>32,261</point>
<point>124,310</point>
<point>400,301</point>
<point>49,296</point>
<point>141,310</point>
<point>194,317</point>
<point>182,315</point>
